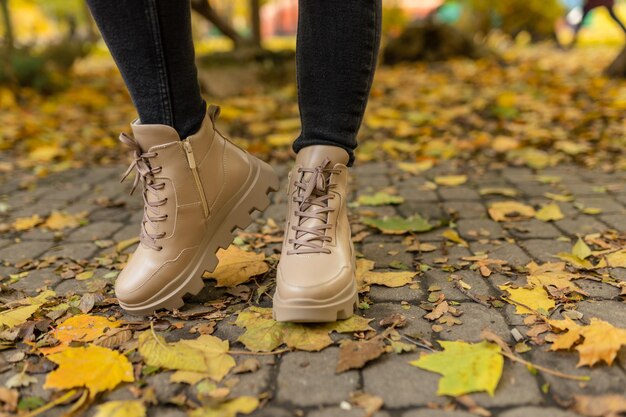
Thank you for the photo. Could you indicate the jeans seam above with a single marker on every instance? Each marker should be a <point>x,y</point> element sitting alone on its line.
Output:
<point>163,85</point>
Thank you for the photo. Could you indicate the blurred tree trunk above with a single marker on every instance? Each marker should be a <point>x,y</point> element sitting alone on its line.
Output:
<point>617,68</point>
<point>255,21</point>
<point>8,24</point>
<point>204,9</point>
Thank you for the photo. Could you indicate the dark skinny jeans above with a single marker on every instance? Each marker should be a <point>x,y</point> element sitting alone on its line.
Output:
<point>337,47</point>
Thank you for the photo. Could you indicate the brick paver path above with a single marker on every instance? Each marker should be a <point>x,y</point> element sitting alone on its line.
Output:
<point>304,383</point>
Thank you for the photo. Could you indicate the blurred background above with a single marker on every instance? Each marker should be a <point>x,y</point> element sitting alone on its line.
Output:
<point>467,79</point>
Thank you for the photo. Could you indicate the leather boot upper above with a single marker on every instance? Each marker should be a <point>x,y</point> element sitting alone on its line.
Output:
<point>317,260</point>
<point>180,205</point>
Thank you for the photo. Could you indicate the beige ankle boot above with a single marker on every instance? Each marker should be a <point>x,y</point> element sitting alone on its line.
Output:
<point>196,192</point>
<point>315,281</point>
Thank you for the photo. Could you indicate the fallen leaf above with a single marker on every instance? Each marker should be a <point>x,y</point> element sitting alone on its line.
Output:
<point>355,354</point>
<point>465,367</point>
<point>264,334</point>
<point>380,199</point>
<point>610,405</point>
<point>94,367</point>
<point>228,408</point>
<point>396,225</point>
<point>59,220</point>
<point>370,403</point>
<point>17,316</point>
<point>26,223</point>
<point>613,260</point>
<point>416,168</point>
<point>207,354</point>
<point>534,297</point>
<point>392,279</point>
<point>451,180</point>
<point>128,408</point>
<point>549,212</point>
<point>79,328</point>
<point>601,341</point>
<point>237,266</point>
<point>503,211</point>
<point>453,236</point>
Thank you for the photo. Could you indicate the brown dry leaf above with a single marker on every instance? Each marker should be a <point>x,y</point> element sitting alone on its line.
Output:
<point>610,405</point>
<point>237,266</point>
<point>504,211</point>
<point>355,354</point>
<point>439,311</point>
<point>601,341</point>
<point>370,403</point>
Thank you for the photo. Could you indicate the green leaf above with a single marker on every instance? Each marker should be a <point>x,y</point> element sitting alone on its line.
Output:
<point>396,225</point>
<point>380,199</point>
<point>464,367</point>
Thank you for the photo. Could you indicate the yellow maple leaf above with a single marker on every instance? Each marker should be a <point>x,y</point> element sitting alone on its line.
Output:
<point>502,211</point>
<point>535,298</point>
<point>129,408</point>
<point>59,220</point>
<point>94,367</point>
<point>613,260</point>
<point>228,408</point>
<point>26,223</point>
<point>601,341</point>
<point>207,354</point>
<point>79,328</point>
<point>237,266</point>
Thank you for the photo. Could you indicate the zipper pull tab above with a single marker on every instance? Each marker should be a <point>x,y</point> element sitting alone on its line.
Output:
<point>190,158</point>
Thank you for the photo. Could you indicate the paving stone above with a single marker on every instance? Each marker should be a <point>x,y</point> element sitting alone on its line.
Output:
<point>36,280</point>
<point>612,311</point>
<point>95,231</point>
<point>532,228</point>
<point>380,294</point>
<point>616,221</point>
<point>336,412</point>
<point>475,229</point>
<point>44,234</point>
<point>517,175</point>
<point>416,324</point>
<point>379,252</point>
<point>112,214</point>
<point>414,194</point>
<point>458,193</point>
<point>429,211</point>
<point>399,383</point>
<point>453,254</point>
<point>544,250</point>
<point>534,188</point>
<point>505,251</point>
<point>580,225</point>
<point>127,232</point>
<point>517,387</point>
<point>465,209</point>
<point>537,412</point>
<point>607,204</point>
<point>604,379</point>
<point>307,379</point>
<point>163,388</point>
<point>425,412</point>
<point>254,383</point>
<point>598,289</point>
<point>579,189</point>
<point>475,318</point>
<point>445,281</point>
<point>23,250</point>
<point>165,411</point>
<point>83,250</point>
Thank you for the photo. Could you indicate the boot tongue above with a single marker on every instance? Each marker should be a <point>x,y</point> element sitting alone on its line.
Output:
<point>313,156</point>
<point>148,136</point>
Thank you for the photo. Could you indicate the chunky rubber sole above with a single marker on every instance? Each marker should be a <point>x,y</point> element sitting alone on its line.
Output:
<point>236,214</point>
<point>305,311</point>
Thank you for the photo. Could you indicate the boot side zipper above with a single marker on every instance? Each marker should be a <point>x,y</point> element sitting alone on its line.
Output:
<point>194,170</point>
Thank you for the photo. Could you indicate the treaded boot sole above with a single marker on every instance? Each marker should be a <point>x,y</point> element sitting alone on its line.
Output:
<point>302,312</point>
<point>255,197</point>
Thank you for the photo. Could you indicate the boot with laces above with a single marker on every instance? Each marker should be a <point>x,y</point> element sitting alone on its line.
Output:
<point>315,279</point>
<point>196,191</point>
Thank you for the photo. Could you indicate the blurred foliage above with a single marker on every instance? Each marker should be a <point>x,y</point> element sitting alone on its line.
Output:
<point>537,17</point>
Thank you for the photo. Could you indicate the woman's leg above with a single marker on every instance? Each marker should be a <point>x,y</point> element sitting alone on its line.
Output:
<point>336,57</point>
<point>152,45</point>
<point>197,186</point>
<point>336,54</point>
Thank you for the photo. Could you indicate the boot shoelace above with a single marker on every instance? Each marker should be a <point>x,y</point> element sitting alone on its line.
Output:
<point>145,174</point>
<point>312,193</point>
